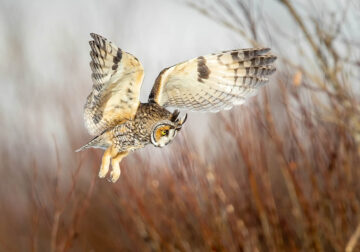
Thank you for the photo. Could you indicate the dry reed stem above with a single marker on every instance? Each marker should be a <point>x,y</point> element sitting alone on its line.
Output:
<point>353,239</point>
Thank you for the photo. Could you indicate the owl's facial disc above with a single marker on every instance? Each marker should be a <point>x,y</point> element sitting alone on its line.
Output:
<point>163,134</point>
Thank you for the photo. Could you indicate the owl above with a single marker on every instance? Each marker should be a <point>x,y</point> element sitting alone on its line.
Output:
<point>120,123</point>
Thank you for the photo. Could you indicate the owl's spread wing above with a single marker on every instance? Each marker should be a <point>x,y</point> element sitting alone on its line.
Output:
<point>117,78</point>
<point>213,82</point>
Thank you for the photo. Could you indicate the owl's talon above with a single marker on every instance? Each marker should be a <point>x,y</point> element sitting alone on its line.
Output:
<point>103,172</point>
<point>115,157</point>
<point>115,173</point>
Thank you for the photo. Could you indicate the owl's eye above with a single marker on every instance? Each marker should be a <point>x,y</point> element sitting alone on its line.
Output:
<point>164,132</point>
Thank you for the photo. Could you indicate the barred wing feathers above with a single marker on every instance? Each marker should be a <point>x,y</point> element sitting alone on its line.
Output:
<point>117,78</point>
<point>214,82</point>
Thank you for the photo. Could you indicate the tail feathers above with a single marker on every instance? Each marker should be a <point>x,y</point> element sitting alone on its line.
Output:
<point>86,146</point>
<point>96,142</point>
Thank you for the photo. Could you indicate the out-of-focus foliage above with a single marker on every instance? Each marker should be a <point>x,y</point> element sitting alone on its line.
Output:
<point>280,174</point>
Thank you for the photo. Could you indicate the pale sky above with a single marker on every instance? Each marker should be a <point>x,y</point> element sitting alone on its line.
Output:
<point>45,53</point>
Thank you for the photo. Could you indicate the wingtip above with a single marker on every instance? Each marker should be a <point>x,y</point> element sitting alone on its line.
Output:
<point>273,70</point>
<point>96,36</point>
<point>264,50</point>
<point>93,35</point>
<point>273,58</point>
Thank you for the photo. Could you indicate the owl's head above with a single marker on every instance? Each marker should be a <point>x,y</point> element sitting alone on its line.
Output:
<point>165,131</point>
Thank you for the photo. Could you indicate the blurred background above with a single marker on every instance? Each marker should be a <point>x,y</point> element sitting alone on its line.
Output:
<point>280,173</point>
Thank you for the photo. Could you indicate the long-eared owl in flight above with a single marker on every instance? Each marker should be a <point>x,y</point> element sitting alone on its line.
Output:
<point>120,123</point>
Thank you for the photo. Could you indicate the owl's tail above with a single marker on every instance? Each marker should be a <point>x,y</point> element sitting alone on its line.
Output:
<point>86,146</point>
<point>97,142</point>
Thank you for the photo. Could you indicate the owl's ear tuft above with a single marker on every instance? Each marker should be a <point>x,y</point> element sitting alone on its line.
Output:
<point>180,122</point>
<point>183,120</point>
<point>175,115</point>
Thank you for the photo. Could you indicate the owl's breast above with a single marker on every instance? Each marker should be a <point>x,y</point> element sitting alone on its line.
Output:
<point>126,136</point>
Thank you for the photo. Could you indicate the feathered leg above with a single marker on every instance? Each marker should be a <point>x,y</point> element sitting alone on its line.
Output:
<point>112,154</point>
<point>115,163</point>
<point>105,163</point>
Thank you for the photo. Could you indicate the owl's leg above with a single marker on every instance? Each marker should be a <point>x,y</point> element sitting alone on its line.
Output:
<point>115,163</point>
<point>105,163</point>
